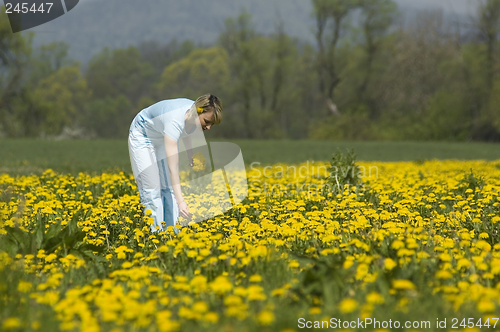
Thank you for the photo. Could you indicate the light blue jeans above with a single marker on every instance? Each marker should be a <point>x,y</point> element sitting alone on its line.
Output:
<point>152,175</point>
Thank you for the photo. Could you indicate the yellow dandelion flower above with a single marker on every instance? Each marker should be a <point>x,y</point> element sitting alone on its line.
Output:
<point>348,305</point>
<point>389,264</point>
<point>211,317</point>
<point>315,311</point>
<point>221,285</point>
<point>11,323</point>
<point>255,278</point>
<point>486,305</point>
<point>24,286</point>
<point>265,317</point>
<point>374,298</point>
<point>232,300</point>
<point>402,284</point>
<point>443,274</point>
<point>199,162</point>
<point>200,307</point>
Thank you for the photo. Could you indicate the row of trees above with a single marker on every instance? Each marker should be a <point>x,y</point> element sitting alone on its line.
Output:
<point>370,75</point>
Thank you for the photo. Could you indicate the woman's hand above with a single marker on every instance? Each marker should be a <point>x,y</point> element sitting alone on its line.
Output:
<point>184,210</point>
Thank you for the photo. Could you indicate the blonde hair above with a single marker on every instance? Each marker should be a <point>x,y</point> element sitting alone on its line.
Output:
<point>207,103</point>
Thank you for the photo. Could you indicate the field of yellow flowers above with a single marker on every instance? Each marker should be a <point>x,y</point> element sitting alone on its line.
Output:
<point>410,242</point>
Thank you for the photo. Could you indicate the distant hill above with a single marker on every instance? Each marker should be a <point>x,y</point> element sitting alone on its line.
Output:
<point>95,24</point>
<point>92,25</point>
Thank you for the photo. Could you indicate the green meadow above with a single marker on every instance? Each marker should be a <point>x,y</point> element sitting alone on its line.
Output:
<point>31,156</point>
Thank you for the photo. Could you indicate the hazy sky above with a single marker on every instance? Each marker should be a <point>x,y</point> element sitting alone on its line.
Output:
<point>88,37</point>
<point>458,6</point>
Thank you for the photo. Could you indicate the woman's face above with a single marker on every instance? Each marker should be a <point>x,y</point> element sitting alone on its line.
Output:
<point>207,120</point>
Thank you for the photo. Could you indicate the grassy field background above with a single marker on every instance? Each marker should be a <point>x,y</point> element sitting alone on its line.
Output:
<point>31,156</point>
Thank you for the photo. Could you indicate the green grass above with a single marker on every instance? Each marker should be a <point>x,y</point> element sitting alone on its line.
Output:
<point>27,156</point>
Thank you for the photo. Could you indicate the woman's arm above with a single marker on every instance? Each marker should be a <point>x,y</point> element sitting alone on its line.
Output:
<point>189,149</point>
<point>173,165</point>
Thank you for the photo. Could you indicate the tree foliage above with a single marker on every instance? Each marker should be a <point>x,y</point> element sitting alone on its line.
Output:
<point>119,72</point>
<point>370,74</point>
<point>202,71</point>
